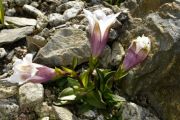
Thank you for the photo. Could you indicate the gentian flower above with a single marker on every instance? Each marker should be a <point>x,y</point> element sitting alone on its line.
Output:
<point>99,27</point>
<point>25,71</point>
<point>136,53</point>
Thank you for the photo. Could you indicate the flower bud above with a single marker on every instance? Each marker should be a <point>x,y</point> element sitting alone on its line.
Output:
<point>136,53</point>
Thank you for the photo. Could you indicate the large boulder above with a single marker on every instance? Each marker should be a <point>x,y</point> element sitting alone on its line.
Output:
<point>140,8</point>
<point>63,46</point>
<point>157,82</point>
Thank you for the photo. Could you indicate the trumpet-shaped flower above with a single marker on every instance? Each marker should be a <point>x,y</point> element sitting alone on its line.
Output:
<point>99,27</point>
<point>137,52</point>
<point>25,70</point>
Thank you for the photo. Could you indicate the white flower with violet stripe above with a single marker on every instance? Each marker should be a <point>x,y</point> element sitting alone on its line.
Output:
<point>99,27</point>
<point>25,70</point>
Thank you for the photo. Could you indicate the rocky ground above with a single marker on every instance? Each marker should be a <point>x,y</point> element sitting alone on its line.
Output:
<point>56,30</point>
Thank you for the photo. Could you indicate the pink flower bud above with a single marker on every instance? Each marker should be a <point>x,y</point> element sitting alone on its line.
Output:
<point>136,53</point>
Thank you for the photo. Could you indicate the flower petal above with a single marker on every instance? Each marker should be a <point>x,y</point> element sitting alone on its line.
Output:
<point>99,14</point>
<point>17,78</point>
<point>136,53</point>
<point>28,58</point>
<point>142,42</point>
<point>107,22</point>
<point>96,39</point>
<point>90,18</point>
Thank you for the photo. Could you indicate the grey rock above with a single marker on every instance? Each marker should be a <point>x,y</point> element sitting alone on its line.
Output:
<point>117,53</point>
<point>55,19</point>
<point>63,113</point>
<point>71,13</point>
<point>34,4</point>
<point>8,109</point>
<point>10,12</point>
<point>7,90</point>
<point>71,4</point>
<point>45,111</point>
<point>95,1</point>
<point>31,95</point>
<point>3,53</point>
<point>35,43</point>
<point>63,46</point>
<point>22,2</point>
<point>167,25</point>
<point>12,35</point>
<point>105,58</point>
<point>42,22</point>
<point>157,81</point>
<point>177,1</point>
<point>100,117</point>
<point>112,35</point>
<point>131,111</point>
<point>141,8</point>
<point>89,114</point>
<point>20,21</point>
<point>45,33</point>
<point>32,11</point>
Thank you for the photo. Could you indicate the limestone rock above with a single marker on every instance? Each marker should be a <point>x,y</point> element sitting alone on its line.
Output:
<point>35,42</point>
<point>117,53</point>
<point>45,111</point>
<point>13,35</point>
<point>63,113</point>
<point>32,10</point>
<point>71,13</point>
<point>8,109</point>
<point>20,21</point>
<point>55,19</point>
<point>140,8</point>
<point>22,2</point>
<point>3,53</point>
<point>157,82</point>
<point>63,46</point>
<point>7,90</point>
<point>69,5</point>
<point>42,22</point>
<point>31,95</point>
<point>131,111</point>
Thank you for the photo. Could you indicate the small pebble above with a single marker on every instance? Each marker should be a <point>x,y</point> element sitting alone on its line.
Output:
<point>3,53</point>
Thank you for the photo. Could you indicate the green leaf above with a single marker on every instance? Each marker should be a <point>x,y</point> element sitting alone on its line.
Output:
<point>85,78</point>
<point>74,62</point>
<point>116,98</point>
<point>100,80</point>
<point>84,108</point>
<point>1,12</point>
<point>61,82</point>
<point>71,72</point>
<point>59,73</point>
<point>94,98</point>
<point>67,94</point>
<point>93,62</point>
<point>72,82</point>
<point>109,79</point>
<point>120,74</point>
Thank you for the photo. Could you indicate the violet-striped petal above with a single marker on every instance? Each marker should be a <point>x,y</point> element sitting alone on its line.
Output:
<point>136,53</point>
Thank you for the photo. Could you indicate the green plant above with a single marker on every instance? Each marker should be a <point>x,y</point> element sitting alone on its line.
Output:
<point>114,2</point>
<point>91,87</point>
<point>1,12</point>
